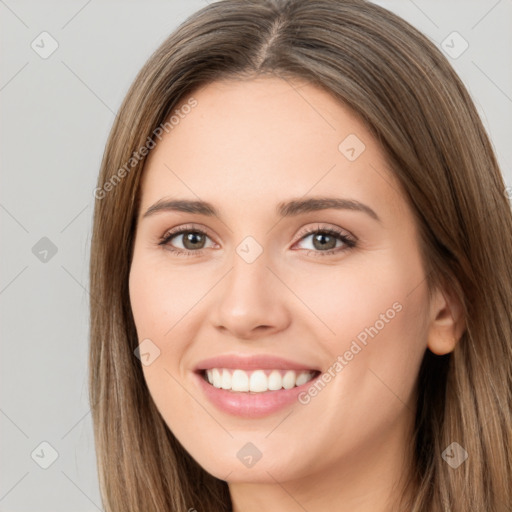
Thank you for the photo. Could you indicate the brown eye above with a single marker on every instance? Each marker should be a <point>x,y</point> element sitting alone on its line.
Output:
<point>324,241</point>
<point>193,240</point>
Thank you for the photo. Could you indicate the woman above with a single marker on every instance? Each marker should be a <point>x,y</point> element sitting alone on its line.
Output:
<point>300,277</point>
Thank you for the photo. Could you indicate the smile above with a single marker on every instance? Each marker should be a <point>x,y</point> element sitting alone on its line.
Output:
<point>257,381</point>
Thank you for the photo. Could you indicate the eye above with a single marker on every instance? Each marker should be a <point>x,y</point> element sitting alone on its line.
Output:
<point>192,240</point>
<point>325,240</point>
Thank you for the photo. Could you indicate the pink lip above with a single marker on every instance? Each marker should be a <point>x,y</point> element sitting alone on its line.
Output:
<point>255,362</point>
<point>251,405</point>
<point>246,404</point>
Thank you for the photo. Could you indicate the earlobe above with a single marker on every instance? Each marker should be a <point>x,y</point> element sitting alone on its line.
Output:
<point>447,323</point>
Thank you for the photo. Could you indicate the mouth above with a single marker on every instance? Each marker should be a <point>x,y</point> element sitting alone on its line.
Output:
<point>254,386</point>
<point>256,381</point>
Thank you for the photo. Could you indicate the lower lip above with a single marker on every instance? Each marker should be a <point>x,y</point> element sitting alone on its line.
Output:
<point>251,405</point>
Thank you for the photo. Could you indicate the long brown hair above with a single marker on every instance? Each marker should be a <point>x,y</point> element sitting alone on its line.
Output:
<point>415,105</point>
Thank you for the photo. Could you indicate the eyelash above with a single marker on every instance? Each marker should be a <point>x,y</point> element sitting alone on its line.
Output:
<point>349,241</point>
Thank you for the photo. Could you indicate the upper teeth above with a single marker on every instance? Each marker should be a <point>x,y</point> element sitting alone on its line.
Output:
<point>257,381</point>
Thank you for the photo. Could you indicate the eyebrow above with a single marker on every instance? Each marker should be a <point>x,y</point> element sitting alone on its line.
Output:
<point>290,208</point>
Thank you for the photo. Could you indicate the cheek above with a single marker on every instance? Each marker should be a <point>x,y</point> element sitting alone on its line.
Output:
<point>160,298</point>
<point>379,290</point>
<point>372,312</point>
<point>164,304</point>
<point>378,313</point>
<point>160,301</point>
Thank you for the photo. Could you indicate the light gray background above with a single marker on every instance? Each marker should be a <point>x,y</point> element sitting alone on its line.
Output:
<point>55,118</point>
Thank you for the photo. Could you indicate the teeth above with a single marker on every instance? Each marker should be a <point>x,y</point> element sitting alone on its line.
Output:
<point>302,378</point>
<point>289,380</point>
<point>226,380</point>
<point>275,381</point>
<point>239,381</point>
<point>257,381</point>
<point>217,379</point>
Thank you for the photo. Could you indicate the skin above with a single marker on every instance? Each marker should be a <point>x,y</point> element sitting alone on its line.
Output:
<point>245,147</point>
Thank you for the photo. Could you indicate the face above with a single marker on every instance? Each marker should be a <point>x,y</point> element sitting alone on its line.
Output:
<point>278,285</point>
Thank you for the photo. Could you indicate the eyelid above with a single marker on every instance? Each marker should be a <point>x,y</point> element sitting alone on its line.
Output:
<point>186,227</point>
<point>324,227</point>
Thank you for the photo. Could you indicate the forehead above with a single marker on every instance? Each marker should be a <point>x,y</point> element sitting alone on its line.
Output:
<point>250,141</point>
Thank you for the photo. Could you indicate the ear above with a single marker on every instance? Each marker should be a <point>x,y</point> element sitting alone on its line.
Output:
<point>447,323</point>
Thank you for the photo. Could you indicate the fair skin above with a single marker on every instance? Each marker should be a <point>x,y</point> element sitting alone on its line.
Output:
<point>245,147</point>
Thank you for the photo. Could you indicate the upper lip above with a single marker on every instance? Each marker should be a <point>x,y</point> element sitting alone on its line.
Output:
<point>251,362</point>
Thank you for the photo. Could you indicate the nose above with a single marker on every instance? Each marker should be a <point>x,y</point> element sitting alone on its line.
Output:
<point>251,301</point>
